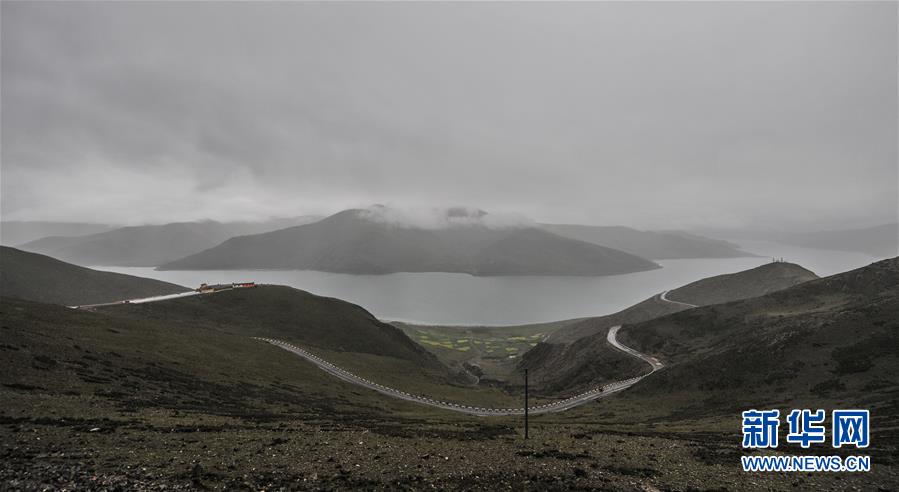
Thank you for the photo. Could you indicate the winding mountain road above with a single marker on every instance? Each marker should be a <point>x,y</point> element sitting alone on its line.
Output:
<point>580,399</point>
<point>558,406</point>
<point>139,301</point>
<point>664,296</point>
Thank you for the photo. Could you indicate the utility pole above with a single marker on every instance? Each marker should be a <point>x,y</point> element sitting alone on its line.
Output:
<point>525,403</point>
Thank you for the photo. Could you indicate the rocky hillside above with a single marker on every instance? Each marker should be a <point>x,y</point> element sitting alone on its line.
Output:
<point>822,342</point>
<point>578,354</point>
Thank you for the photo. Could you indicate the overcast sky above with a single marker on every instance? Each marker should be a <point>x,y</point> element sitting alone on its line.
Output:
<point>643,114</point>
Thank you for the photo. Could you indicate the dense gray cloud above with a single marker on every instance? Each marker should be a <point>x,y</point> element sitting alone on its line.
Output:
<point>647,114</point>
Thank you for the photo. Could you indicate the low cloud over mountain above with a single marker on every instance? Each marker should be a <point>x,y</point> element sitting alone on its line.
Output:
<point>380,240</point>
<point>443,218</point>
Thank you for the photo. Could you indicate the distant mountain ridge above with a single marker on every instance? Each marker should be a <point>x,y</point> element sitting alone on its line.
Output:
<point>880,241</point>
<point>155,245</point>
<point>352,242</point>
<point>36,277</point>
<point>656,245</point>
<point>150,245</point>
<point>18,232</point>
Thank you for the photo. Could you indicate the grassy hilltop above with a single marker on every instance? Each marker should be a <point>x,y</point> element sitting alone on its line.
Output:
<point>40,278</point>
<point>340,332</point>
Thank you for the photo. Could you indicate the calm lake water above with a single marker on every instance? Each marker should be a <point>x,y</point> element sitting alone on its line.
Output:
<point>458,299</point>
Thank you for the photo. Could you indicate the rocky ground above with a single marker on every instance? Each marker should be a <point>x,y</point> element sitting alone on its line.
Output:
<point>162,450</point>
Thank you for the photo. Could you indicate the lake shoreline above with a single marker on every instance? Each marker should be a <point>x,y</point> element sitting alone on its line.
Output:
<point>458,299</point>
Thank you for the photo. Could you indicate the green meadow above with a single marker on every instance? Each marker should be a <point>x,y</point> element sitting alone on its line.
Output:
<point>492,350</point>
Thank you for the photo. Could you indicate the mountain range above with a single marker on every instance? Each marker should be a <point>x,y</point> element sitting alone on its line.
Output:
<point>656,245</point>
<point>353,242</point>
<point>17,232</point>
<point>456,239</point>
<point>880,241</point>
<point>150,245</point>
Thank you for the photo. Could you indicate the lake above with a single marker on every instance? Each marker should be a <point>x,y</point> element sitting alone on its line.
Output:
<point>459,299</point>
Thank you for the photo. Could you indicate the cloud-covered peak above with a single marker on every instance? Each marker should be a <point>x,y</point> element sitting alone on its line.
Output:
<point>442,217</point>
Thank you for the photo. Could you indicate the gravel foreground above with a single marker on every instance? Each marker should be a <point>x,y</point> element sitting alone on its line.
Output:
<point>234,454</point>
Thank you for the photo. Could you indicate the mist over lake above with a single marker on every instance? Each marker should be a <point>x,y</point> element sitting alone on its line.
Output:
<point>460,299</point>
